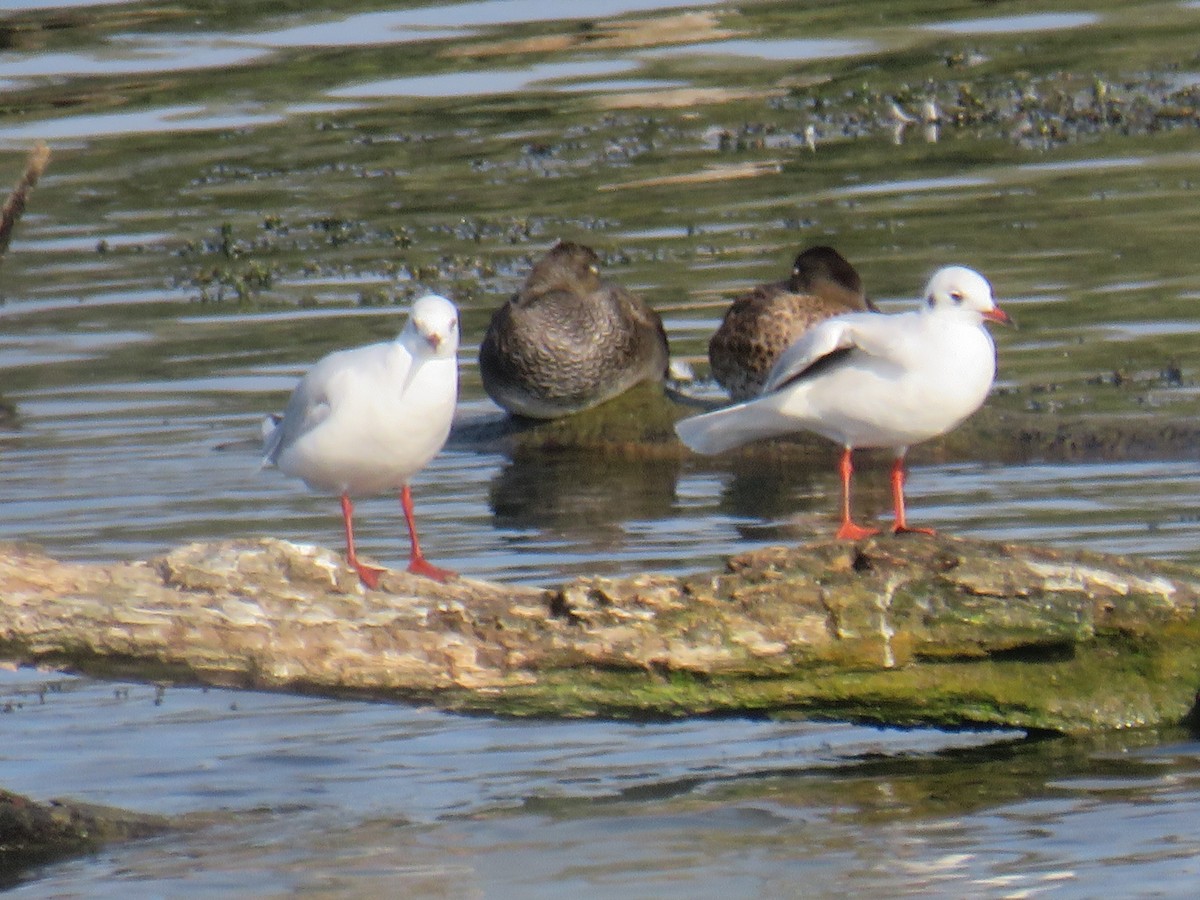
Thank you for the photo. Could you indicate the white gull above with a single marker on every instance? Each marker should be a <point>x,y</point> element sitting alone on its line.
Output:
<point>364,421</point>
<point>870,380</point>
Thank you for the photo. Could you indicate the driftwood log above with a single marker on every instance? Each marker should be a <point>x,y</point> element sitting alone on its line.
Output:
<point>902,631</point>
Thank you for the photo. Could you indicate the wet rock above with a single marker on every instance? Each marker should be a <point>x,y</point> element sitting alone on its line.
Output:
<point>34,833</point>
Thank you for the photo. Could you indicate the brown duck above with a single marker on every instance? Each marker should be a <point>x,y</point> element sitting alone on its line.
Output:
<point>761,324</point>
<point>569,340</point>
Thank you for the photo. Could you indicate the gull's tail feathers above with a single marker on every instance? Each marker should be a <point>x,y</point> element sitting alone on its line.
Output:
<point>724,429</point>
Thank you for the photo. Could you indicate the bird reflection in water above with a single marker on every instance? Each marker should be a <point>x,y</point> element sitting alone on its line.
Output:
<point>582,495</point>
<point>787,500</point>
<point>589,500</point>
<point>779,499</point>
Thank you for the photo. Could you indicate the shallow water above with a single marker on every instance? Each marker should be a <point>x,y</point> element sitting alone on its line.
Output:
<point>237,189</point>
<point>290,795</point>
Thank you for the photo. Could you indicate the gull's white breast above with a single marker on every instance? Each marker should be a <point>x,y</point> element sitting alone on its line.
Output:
<point>381,422</point>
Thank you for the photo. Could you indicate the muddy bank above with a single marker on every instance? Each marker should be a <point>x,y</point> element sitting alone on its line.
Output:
<point>639,425</point>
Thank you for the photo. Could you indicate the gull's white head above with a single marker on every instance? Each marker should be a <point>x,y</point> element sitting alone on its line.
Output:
<point>432,326</point>
<point>957,287</point>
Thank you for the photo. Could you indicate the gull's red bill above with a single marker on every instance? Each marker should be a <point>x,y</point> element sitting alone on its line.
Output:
<point>998,315</point>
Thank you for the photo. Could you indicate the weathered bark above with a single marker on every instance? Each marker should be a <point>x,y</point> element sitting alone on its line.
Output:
<point>909,630</point>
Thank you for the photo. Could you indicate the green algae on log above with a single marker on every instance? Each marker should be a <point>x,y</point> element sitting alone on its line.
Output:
<point>909,630</point>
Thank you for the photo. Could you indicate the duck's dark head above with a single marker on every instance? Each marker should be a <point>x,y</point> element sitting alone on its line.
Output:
<point>817,264</point>
<point>567,266</point>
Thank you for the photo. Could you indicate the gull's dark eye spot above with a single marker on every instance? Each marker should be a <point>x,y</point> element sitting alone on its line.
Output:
<point>956,296</point>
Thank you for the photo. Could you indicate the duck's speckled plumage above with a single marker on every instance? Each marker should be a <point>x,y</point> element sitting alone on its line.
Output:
<point>762,323</point>
<point>568,339</point>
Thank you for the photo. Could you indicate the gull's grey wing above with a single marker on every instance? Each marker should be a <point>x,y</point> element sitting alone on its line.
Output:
<point>828,343</point>
<point>311,402</point>
<point>306,409</point>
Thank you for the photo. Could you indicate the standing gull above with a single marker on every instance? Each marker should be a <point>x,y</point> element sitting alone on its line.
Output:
<point>364,421</point>
<point>869,380</point>
<point>569,340</point>
<point>761,324</point>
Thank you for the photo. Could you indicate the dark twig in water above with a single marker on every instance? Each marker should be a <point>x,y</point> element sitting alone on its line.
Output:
<point>14,206</point>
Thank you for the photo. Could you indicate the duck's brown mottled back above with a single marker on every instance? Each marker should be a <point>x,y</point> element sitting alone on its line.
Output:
<point>762,323</point>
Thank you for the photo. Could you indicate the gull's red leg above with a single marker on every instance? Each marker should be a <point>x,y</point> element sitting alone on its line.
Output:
<point>368,575</point>
<point>900,526</point>
<point>848,530</point>
<point>417,563</point>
